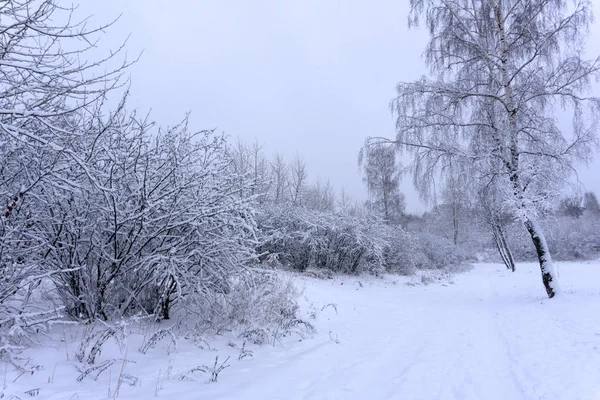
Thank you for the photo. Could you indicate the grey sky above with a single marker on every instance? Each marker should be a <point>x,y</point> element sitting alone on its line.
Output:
<point>308,76</point>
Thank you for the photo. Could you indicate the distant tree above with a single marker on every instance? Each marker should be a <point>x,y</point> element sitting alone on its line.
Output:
<point>501,68</point>
<point>344,203</point>
<point>456,197</point>
<point>280,174</point>
<point>590,203</point>
<point>571,207</point>
<point>241,163</point>
<point>358,210</point>
<point>261,182</point>
<point>320,197</point>
<point>381,174</point>
<point>298,180</point>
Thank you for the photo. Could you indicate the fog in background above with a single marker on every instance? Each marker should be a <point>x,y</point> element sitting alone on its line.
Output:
<point>312,77</point>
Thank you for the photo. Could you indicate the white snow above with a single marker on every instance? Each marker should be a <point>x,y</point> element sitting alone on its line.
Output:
<point>485,334</point>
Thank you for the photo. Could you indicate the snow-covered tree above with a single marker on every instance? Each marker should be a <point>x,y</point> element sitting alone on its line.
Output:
<point>455,194</point>
<point>280,176</point>
<point>261,182</point>
<point>298,181</point>
<point>50,85</point>
<point>590,203</point>
<point>47,72</point>
<point>320,196</point>
<point>381,174</point>
<point>496,222</point>
<point>344,203</point>
<point>241,163</point>
<point>500,71</point>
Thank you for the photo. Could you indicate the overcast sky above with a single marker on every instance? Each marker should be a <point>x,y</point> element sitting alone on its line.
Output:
<point>308,76</point>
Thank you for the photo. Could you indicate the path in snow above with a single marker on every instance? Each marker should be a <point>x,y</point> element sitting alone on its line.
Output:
<point>489,334</point>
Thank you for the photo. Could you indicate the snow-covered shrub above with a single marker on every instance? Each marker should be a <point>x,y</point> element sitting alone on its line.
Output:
<point>15,275</point>
<point>148,221</point>
<point>47,77</point>
<point>408,252</point>
<point>569,238</point>
<point>436,252</point>
<point>442,275</point>
<point>261,306</point>
<point>166,223</point>
<point>401,252</point>
<point>319,273</point>
<point>29,171</point>
<point>305,239</point>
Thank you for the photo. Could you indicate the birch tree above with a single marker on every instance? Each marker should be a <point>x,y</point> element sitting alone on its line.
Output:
<point>492,215</point>
<point>500,72</point>
<point>382,177</point>
<point>455,196</point>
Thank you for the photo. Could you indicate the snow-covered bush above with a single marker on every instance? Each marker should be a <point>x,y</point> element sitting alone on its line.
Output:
<point>569,238</point>
<point>165,222</point>
<point>261,305</point>
<point>572,238</point>
<point>47,77</point>
<point>154,222</point>
<point>304,239</point>
<point>402,255</point>
<point>437,252</point>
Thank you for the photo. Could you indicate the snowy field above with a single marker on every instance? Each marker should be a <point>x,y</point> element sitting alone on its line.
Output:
<point>485,334</point>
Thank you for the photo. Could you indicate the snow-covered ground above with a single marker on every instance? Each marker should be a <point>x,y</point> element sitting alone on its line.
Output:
<point>485,334</point>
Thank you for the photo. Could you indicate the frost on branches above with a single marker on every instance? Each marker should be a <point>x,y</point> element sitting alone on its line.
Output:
<point>321,243</point>
<point>103,215</point>
<point>167,226</point>
<point>500,70</point>
<point>43,83</point>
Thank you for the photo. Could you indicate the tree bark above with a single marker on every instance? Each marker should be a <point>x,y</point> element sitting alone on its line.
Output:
<point>455,222</point>
<point>501,243</point>
<point>165,307</point>
<point>549,276</point>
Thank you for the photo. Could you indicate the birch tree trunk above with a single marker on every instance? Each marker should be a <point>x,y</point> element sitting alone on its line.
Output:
<point>549,275</point>
<point>502,244</point>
